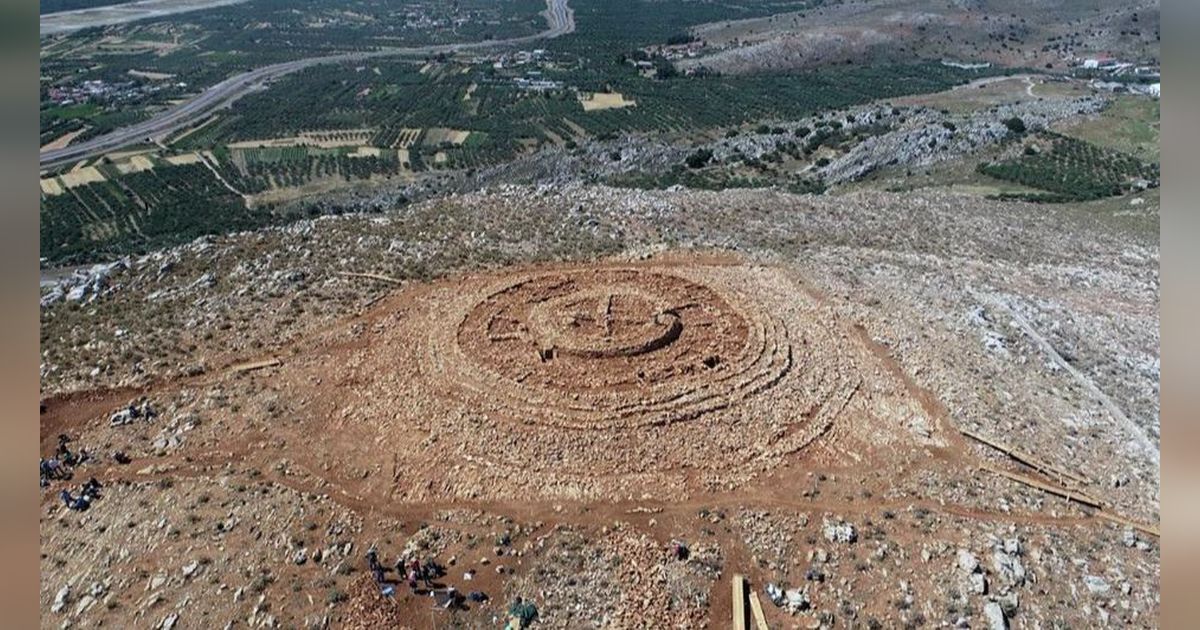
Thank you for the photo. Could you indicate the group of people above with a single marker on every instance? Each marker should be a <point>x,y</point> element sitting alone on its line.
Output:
<point>61,464</point>
<point>89,492</point>
<point>426,572</point>
<point>521,613</point>
<point>413,570</point>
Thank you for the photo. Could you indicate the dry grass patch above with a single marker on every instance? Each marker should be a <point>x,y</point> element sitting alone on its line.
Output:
<point>63,140</point>
<point>327,139</point>
<point>186,158</point>
<point>439,135</point>
<point>81,176</point>
<point>592,101</point>
<point>51,186</point>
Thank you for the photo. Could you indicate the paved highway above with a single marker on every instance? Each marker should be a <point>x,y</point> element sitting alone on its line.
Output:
<point>559,17</point>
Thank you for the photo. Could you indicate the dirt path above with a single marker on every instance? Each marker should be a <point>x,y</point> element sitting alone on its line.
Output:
<point>221,178</point>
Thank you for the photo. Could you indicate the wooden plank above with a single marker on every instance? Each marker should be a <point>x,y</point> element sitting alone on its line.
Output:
<point>1141,527</point>
<point>739,602</point>
<point>255,365</point>
<point>373,276</point>
<point>760,620</point>
<point>1069,495</point>
<point>1024,458</point>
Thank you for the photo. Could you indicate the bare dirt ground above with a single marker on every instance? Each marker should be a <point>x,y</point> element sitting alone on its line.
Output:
<point>782,389</point>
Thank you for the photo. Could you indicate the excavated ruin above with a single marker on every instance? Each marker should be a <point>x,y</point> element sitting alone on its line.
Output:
<point>611,380</point>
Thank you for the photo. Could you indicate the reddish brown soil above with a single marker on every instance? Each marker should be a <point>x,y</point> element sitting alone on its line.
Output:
<point>568,395</point>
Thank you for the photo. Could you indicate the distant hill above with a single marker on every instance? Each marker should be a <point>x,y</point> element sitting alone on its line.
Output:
<point>58,6</point>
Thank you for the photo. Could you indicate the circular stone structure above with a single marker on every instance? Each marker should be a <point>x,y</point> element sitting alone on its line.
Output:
<point>590,380</point>
<point>603,348</point>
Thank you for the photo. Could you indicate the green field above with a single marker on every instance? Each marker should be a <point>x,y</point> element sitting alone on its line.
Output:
<point>1067,169</point>
<point>139,212</point>
<point>1130,125</point>
<point>78,110</point>
<point>501,116</point>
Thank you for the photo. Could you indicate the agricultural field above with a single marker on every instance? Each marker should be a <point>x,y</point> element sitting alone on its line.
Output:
<point>397,97</point>
<point>104,217</point>
<point>1130,124</point>
<point>142,201</point>
<point>200,48</point>
<point>592,101</point>
<point>1071,170</point>
<point>258,170</point>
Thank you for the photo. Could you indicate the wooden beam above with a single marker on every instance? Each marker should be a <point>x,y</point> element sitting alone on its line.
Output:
<point>760,620</point>
<point>373,276</point>
<point>1141,527</point>
<point>1025,458</point>
<point>255,365</point>
<point>739,602</point>
<point>1069,495</point>
<point>1077,497</point>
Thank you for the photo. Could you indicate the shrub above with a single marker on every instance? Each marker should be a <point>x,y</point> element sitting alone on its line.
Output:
<point>699,159</point>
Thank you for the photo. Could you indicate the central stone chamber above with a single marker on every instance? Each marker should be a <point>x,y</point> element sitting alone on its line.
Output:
<point>605,333</point>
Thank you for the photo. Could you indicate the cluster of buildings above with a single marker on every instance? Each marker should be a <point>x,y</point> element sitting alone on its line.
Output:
<point>521,58</point>
<point>1114,66</point>
<point>675,52</point>
<point>417,19</point>
<point>533,81</point>
<point>1153,90</point>
<point>1145,78</point>
<point>99,90</point>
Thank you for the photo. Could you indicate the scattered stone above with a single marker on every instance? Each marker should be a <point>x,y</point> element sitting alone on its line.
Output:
<point>774,593</point>
<point>797,600</point>
<point>85,603</point>
<point>1096,585</point>
<point>60,599</point>
<point>967,562</point>
<point>1009,603</point>
<point>977,584</point>
<point>191,568</point>
<point>840,532</point>
<point>994,616</point>
<point>1008,567</point>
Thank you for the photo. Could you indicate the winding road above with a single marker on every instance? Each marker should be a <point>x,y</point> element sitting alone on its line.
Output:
<point>560,20</point>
